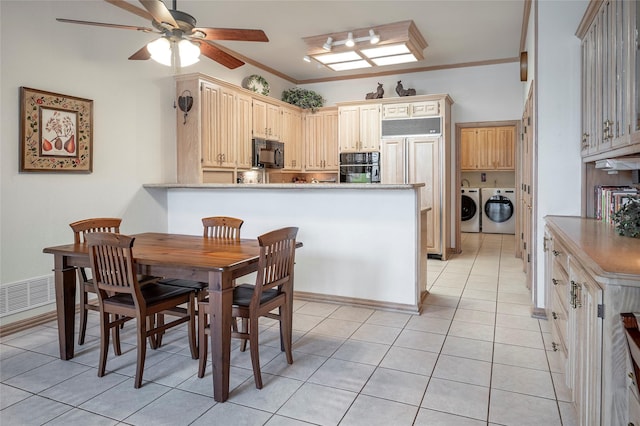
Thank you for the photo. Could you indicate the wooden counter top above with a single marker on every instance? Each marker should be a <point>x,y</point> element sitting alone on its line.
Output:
<point>598,247</point>
<point>297,186</point>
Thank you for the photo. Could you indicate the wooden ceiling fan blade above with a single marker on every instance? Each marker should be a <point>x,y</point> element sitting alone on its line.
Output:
<point>103,24</point>
<point>141,55</point>
<point>159,11</point>
<point>237,34</point>
<point>122,4</point>
<point>215,53</point>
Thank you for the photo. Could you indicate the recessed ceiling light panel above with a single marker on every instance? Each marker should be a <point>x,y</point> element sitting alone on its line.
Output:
<point>332,58</point>
<point>379,51</point>
<point>397,59</point>
<point>344,66</point>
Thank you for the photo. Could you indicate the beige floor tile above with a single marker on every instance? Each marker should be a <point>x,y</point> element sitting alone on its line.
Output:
<point>364,352</point>
<point>435,418</point>
<point>520,356</point>
<point>471,330</point>
<point>522,380</point>
<point>514,336</point>
<point>389,319</point>
<point>514,409</point>
<point>468,348</point>
<point>352,313</point>
<point>318,404</point>
<point>462,399</point>
<point>376,333</point>
<point>336,328</point>
<point>463,370</point>
<point>394,385</point>
<point>420,340</point>
<point>432,325</point>
<point>341,374</point>
<point>370,411</point>
<point>410,360</point>
<point>477,317</point>
<point>517,321</point>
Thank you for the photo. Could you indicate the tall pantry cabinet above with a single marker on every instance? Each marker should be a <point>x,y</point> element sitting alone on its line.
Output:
<point>425,159</point>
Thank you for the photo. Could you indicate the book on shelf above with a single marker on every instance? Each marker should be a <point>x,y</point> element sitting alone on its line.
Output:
<point>609,199</point>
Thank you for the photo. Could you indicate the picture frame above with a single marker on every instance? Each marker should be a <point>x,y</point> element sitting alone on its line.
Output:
<point>56,132</point>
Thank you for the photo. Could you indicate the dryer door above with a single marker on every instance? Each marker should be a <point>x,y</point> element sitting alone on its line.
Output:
<point>498,208</point>
<point>469,208</point>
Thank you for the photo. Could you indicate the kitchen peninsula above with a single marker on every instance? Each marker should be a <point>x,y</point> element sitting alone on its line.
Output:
<point>363,243</point>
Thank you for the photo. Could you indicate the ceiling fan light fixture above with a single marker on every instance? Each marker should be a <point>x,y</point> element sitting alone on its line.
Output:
<point>189,53</point>
<point>160,51</point>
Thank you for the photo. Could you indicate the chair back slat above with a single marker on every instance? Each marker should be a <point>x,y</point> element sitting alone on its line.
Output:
<point>222,227</point>
<point>277,257</point>
<point>112,264</point>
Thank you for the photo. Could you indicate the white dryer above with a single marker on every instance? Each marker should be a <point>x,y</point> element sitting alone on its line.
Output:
<point>470,210</point>
<point>499,210</point>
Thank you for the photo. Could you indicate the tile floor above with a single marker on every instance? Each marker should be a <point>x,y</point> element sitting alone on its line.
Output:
<point>474,357</point>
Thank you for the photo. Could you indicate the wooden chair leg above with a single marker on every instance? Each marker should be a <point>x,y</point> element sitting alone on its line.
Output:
<point>192,327</point>
<point>202,342</point>
<point>83,315</point>
<point>117,349</point>
<point>104,343</point>
<point>255,351</point>
<point>153,338</point>
<point>285,332</point>
<point>142,351</point>
<point>244,323</point>
<point>158,337</point>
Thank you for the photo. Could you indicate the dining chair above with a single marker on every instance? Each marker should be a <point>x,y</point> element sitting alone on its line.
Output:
<point>80,229</point>
<point>273,289</point>
<point>121,297</point>
<point>222,227</point>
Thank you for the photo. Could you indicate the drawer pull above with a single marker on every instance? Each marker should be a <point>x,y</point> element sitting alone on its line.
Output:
<point>554,315</point>
<point>556,253</point>
<point>554,281</point>
<point>554,345</point>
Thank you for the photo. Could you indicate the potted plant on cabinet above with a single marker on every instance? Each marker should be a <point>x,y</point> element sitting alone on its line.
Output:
<point>303,98</point>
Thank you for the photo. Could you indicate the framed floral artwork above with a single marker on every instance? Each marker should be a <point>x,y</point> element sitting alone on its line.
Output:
<point>56,132</point>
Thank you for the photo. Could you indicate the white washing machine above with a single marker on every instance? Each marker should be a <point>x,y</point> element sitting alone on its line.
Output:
<point>498,210</point>
<point>470,210</point>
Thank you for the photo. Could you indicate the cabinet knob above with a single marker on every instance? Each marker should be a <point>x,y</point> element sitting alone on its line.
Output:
<point>554,345</point>
<point>554,315</point>
<point>556,253</point>
<point>554,281</point>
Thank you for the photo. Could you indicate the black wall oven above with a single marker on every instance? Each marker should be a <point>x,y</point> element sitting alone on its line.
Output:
<point>360,167</point>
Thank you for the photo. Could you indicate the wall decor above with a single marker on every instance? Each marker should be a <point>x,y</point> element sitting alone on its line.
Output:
<point>56,132</point>
<point>401,91</point>
<point>256,83</point>
<point>378,94</point>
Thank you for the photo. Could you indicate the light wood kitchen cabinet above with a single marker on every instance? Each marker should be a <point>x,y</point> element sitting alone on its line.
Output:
<point>610,80</point>
<point>592,277</point>
<point>359,128</point>
<point>487,148</point>
<point>321,140</point>
<point>244,112</point>
<point>267,120</point>
<point>418,160</point>
<point>292,138</point>
<point>410,109</point>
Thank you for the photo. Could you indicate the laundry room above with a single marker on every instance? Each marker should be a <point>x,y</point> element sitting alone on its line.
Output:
<point>488,180</point>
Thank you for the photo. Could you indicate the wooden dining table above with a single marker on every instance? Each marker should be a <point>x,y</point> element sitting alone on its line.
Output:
<point>216,261</point>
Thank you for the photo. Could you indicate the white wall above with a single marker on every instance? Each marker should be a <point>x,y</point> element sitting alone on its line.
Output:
<point>134,127</point>
<point>558,118</point>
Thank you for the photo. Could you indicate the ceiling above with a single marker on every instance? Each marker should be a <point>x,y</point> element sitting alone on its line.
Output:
<point>457,32</point>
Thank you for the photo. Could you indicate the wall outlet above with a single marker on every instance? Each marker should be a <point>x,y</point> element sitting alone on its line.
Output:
<point>483,177</point>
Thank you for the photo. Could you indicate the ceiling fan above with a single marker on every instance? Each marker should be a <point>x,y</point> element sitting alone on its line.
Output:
<point>176,26</point>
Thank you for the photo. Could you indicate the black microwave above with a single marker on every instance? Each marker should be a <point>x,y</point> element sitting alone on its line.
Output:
<point>268,154</point>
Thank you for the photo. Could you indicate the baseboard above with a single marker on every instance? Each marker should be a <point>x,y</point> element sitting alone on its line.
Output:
<point>361,303</point>
<point>539,313</point>
<point>21,325</point>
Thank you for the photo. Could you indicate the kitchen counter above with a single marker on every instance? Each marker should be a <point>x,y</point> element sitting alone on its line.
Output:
<point>364,244</point>
<point>609,256</point>
<point>302,186</point>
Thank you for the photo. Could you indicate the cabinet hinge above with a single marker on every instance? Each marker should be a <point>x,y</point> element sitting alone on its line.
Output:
<point>525,245</point>
<point>601,311</point>
<point>528,258</point>
<point>528,121</point>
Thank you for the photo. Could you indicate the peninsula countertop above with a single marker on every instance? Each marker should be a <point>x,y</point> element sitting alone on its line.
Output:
<point>298,186</point>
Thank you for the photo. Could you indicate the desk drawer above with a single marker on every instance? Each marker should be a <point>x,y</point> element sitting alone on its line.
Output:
<point>560,281</point>
<point>560,257</point>
<point>558,340</point>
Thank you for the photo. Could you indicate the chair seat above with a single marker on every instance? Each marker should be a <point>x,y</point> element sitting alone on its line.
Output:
<point>152,293</point>
<point>194,285</point>
<point>243,293</point>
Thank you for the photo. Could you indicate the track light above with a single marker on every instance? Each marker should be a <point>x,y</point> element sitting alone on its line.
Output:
<point>373,37</point>
<point>327,45</point>
<point>350,42</point>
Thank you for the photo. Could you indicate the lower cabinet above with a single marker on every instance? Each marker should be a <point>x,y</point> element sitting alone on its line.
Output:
<point>584,309</point>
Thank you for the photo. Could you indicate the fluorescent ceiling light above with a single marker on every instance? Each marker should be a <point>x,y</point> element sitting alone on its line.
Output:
<point>376,52</point>
<point>344,66</point>
<point>332,58</point>
<point>391,60</point>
